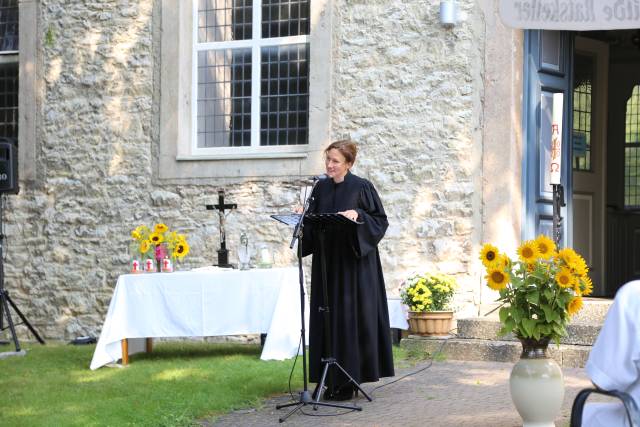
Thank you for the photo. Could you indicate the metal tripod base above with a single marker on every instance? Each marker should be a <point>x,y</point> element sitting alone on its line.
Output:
<point>331,361</point>
<point>6,354</point>
<point>306,399</point>
<point>5,302</point>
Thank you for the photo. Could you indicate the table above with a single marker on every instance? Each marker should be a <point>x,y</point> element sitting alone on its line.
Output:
<point>398,313</point>
<point>209,302</point>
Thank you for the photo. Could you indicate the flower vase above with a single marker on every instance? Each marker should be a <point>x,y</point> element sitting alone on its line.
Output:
<point>160,254</point>
<point>536,384</point>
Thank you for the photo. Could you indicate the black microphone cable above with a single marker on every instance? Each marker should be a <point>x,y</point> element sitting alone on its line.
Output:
<point>373,390</point>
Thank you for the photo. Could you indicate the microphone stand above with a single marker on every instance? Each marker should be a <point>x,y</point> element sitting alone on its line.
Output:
<point>305,397</point>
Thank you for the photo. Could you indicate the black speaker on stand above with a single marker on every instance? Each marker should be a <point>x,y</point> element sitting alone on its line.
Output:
<point>9,185</point>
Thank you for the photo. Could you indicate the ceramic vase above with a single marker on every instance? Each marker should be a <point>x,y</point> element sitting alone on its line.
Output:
<point>536,384</point>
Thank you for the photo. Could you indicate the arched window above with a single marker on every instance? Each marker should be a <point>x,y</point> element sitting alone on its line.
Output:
<point>632,150</point>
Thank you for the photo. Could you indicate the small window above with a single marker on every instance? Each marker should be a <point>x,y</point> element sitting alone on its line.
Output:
<point>582,112</point>
<point>9,69</point>
<point>8,26</point>
<point>252,74</point>
<point>632,151</point>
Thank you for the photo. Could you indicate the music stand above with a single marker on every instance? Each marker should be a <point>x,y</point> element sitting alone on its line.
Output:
<point>322,221</point>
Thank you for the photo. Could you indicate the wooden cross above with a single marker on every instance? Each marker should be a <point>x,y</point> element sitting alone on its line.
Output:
<point>223,253</point>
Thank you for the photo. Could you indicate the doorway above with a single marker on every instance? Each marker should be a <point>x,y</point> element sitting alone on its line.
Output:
<point>605,147</point>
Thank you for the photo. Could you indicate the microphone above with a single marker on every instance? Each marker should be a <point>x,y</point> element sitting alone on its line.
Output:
<point>319,177</point>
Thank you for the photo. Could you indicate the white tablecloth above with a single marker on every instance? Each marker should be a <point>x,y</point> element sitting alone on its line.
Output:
<point>397,313</point>
<point>212,302</point>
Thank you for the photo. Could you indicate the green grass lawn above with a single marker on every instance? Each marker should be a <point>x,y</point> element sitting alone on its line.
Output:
<point>178,383</point>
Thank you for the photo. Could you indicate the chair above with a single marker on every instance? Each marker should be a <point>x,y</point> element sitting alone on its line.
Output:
<point>630,406</point>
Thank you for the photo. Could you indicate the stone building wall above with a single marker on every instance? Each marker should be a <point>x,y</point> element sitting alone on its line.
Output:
<point>409,91</point>
<point>406,89</point>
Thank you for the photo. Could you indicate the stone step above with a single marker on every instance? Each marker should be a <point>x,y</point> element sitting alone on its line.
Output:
<point>570,356</point>
<point>487,329</point>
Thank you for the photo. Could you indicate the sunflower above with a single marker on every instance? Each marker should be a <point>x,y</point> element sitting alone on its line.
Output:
<point>579,266</point>
<point>588,285</point>
<point>488,254</point>
<point>144,246</point>
<point>502,261</point>
<point>568,256</point>
<point>574,305</point>
<point>546,246</point>
<point>156,238</point>
<point>181,250</point>
<point>136,234</point>
<point>528,251</point>
<point>496,279</point>
<point>160,228</point>
<point>565,278</point>
<point>577,289</point>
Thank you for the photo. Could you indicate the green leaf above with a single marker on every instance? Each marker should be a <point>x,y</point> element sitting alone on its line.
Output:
<point>507,326</point>
<point>504,314</point>
<point>533,297</point>
<point>536,332</point>
<point>516,282</point>
<point>528,325</point>
<point>549,313</point>
<point>548,293</point>
<point>517,314</point>
<point>558,330</point>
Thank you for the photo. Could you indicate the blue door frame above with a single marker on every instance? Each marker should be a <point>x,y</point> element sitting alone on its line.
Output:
<point>548,69</point>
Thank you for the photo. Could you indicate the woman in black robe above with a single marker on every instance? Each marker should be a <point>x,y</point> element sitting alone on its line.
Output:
<point>359,317</point>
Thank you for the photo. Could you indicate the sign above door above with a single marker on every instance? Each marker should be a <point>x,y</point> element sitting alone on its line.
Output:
<point>575,15</point>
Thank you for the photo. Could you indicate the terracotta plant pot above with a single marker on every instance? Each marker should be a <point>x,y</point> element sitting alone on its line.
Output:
<point>436,323</point>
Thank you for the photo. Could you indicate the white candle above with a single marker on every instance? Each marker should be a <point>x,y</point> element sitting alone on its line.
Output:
<point>555,163</point>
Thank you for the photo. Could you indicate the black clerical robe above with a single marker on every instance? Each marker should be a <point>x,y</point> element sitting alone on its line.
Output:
<point>359,317</point>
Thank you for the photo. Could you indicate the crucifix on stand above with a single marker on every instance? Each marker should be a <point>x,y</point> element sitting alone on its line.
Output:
<point>223,253</point>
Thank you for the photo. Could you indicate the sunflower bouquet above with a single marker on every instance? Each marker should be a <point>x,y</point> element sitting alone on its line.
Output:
<point>540,290</point>
<point>159,243</point>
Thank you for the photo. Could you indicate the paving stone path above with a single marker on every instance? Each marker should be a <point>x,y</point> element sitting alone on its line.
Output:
<point>452,393</point>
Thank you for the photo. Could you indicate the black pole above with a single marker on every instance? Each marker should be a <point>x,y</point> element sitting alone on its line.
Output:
<point>302,327</point>
<point>558,203</point>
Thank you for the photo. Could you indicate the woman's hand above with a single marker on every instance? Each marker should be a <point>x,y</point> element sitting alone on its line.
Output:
<point>351,214</point>
<point>298,209</point>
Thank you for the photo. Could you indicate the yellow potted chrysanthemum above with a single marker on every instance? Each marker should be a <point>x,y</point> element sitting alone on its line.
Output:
<point>539,292</point>
<point>428,297</point>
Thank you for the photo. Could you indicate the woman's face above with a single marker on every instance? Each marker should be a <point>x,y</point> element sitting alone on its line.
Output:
<point>336,165</point>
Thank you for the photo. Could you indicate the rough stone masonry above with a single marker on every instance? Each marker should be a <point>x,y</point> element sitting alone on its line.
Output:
<point>408,90</point>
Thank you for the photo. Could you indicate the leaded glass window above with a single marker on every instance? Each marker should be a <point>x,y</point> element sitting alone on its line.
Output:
<point>252,73</point>
<point>632,150</point>
<point>9,69</point>
<point>8,25</point>
<point>582,112</point>
<point>9,100</point>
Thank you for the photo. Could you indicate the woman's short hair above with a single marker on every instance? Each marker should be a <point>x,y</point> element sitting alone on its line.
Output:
<point>346,147</point>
